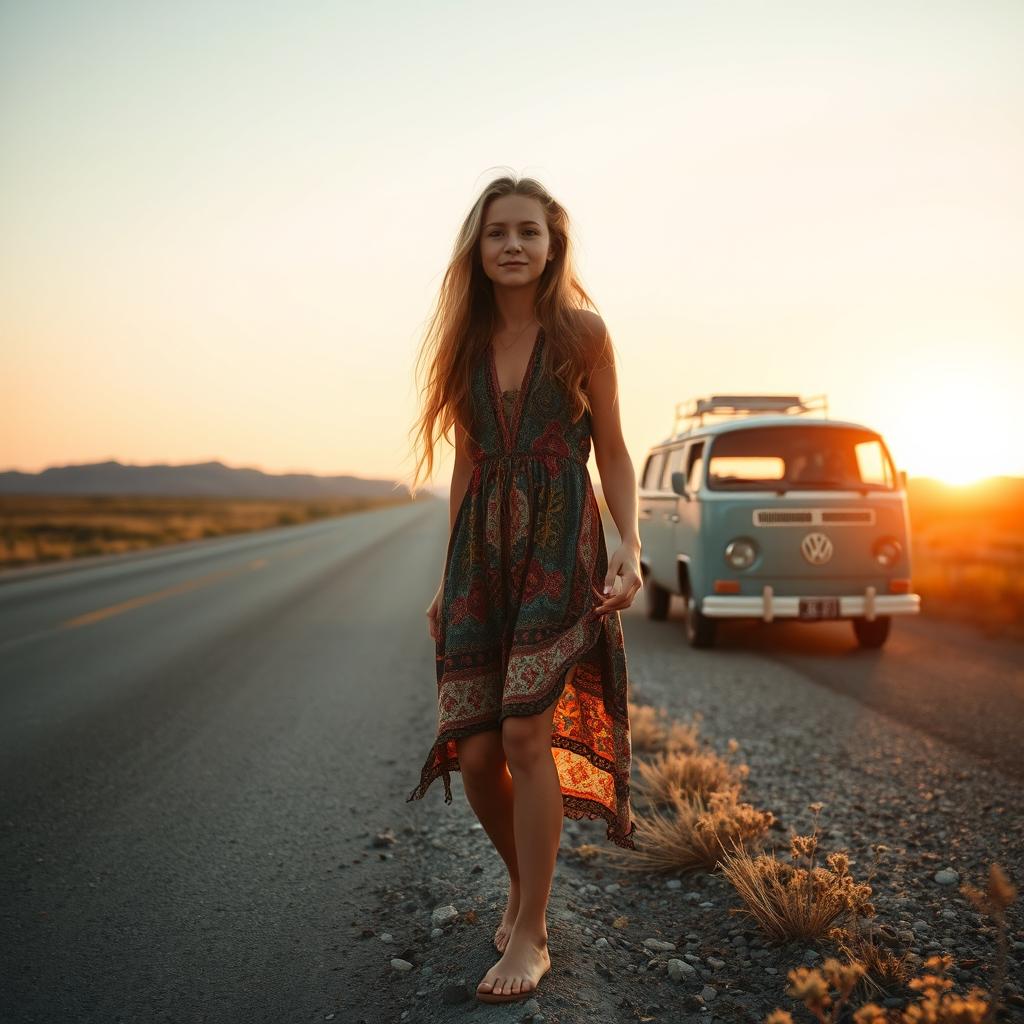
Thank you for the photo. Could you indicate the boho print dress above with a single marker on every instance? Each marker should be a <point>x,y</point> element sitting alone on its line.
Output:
<point>517,605</point>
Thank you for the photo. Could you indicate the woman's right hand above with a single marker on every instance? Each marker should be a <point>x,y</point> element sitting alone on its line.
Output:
<point>434,610</point>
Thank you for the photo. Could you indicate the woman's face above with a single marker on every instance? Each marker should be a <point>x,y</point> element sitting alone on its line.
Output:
<point>514,240</point>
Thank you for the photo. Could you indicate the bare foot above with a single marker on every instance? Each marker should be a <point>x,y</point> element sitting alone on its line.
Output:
<point>508,919</point>
<point>524,963</point>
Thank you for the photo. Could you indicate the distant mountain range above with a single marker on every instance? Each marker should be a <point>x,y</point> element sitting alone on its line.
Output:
<point>202,479</point>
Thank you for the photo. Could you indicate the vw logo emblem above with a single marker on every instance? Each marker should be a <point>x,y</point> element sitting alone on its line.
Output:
<point>816,548</point>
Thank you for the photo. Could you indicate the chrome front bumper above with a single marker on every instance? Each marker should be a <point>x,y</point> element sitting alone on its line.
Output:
<point>772,606</point>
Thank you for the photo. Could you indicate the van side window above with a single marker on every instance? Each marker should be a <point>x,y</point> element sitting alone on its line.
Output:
<point>673,465</point>
<point>695,466</point>
<point>652,474</point>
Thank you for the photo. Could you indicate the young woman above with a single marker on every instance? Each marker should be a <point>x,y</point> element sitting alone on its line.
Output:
<point>531,668</point>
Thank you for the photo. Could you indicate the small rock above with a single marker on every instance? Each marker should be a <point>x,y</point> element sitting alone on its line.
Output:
<point>946,876</point>
<point>442,915</point>
<point>673,883</point>
<point>680,969</point>
<point>401,965</point>
<point>707,993</point>
<point>714,963</point>
<point>386,937</point>
<point>659,945</point>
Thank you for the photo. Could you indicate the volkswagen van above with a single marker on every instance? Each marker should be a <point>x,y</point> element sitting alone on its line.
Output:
<point>761,507</point>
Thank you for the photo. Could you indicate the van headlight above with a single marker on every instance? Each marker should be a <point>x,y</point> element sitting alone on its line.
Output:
<point>740,553</point>
<point>887,551</point>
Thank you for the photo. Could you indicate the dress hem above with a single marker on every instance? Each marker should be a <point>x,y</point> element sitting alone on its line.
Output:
<point>573,807</point>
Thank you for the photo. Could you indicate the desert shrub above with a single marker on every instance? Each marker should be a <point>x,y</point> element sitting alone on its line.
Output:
<point>651,731</point>
<point>692,835</point>
<point>825,992</point>
<point>789,901</point>
<point>674,773</point>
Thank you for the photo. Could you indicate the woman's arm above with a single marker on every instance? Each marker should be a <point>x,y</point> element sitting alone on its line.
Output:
<point>618,478</point>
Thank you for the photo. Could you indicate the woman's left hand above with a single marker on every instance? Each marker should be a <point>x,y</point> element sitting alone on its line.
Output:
<point>624,562</point>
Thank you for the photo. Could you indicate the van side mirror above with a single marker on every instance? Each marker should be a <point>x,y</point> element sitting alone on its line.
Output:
<point>903,479</point>
<point>678,482</point>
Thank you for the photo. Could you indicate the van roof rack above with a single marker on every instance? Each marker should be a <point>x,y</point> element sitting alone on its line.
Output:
<point>692,413</point>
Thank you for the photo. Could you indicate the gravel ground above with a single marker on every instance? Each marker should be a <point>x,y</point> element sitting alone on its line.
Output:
<point>944,814</point>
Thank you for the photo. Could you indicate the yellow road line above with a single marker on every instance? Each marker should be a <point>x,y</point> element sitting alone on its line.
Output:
<point>137,602</point>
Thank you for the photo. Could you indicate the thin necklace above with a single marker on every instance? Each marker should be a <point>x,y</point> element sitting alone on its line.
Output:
<point>505,348</point>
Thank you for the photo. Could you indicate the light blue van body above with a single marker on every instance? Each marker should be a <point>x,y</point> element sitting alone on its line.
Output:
<point>775,516</point>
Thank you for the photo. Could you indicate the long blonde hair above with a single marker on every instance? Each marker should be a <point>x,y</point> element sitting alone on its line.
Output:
<point>463,321</point>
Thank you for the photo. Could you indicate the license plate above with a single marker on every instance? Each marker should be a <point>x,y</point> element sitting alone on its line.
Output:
<point>819,608</point>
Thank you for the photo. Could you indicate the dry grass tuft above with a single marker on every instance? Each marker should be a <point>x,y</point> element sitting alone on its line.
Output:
<point>884,971</point>
<point>683,737</point>
<point>651,732</point>
<point>937,1004</point>
<point>672,774</point>
<point>648,729</point>
<point>792,902</point>
<point>693,835</point>
<point>827,990</point>
<point>999,893</point>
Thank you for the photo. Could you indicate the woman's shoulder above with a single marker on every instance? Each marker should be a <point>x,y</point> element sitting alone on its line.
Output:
<point>595,339</point>
<point>590,323</point>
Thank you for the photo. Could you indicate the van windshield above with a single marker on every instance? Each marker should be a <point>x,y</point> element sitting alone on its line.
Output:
<point>799,457</point>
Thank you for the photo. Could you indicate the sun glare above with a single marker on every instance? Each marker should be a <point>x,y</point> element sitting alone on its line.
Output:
<point>955,425</point>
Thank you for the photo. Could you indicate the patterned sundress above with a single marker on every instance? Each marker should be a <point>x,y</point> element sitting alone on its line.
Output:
<point>526,549</point>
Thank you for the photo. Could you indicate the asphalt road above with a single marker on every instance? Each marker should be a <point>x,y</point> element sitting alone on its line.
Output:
<point>197,747</point>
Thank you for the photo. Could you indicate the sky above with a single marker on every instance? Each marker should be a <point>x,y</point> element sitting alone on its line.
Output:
<point>223,225</point>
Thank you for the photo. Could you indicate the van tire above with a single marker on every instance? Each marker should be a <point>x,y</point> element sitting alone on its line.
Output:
<point>874,633</point>
<point>700,629</point>
<point>656,600</point>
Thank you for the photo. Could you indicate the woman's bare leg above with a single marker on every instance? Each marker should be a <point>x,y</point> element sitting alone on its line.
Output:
<point>488,787</point>
<point>537,816</point>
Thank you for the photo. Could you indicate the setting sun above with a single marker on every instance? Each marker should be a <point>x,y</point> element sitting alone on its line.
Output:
<point>957,424</point>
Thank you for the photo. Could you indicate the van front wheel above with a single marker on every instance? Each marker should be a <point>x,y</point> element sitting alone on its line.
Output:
<point>700,629</point>
<point>873,633</point>
<point>656,600</point>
